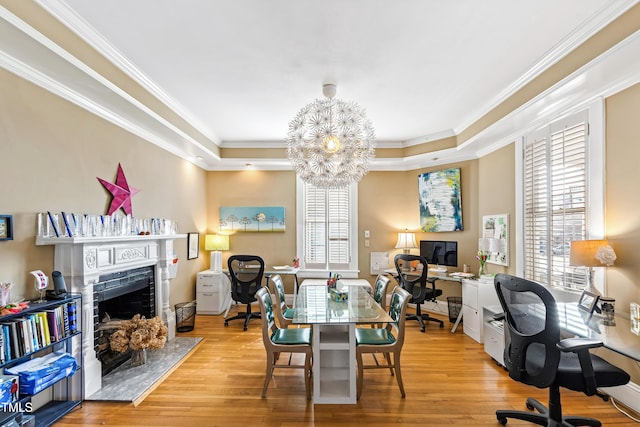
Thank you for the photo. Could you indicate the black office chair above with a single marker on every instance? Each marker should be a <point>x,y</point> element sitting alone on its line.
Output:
<point>535,355</point>
<point>415,282</point>
<point>246,278</point>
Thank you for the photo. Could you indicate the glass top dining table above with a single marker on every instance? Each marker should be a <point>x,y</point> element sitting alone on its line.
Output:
<point>316,305</point>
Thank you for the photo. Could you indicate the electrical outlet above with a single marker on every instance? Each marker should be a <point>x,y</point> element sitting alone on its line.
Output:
<point>366,243</point>
<point>367,234</point>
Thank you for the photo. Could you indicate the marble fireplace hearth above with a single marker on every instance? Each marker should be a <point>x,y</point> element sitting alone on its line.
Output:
<point>133,383</point>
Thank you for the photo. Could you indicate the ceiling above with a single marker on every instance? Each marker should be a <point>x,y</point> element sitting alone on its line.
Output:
<point>240,70</point>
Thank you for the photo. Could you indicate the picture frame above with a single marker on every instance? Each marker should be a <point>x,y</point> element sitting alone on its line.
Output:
<point>193,245</point>
<point>6,227</point>
<point>588,302</point>
<point>495,235</point>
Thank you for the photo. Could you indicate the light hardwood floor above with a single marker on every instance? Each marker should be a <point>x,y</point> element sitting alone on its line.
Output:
<point>448,379</point>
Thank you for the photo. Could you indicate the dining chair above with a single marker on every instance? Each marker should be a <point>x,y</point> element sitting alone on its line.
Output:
<point>387,340</point>
<point>277,340</point>
<point>380,290</point>
<point>246,273</point>
<point>283,312</point>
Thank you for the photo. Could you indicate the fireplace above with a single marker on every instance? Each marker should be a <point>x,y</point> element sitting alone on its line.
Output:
<point>86,261</point>
<point>120,296</point>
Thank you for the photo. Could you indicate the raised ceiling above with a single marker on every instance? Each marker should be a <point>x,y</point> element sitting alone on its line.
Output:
<point>239,70</point>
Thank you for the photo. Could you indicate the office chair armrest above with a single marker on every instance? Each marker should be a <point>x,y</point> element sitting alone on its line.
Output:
<point>577,344</point>
<point>432,281</point>
<point>499,316</point>
<point>581,347</point>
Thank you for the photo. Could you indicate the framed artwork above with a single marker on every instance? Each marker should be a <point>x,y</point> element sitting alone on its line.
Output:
<point>495,238</point>
<point>265,219</point>
<point>588,301</point>
<point>6,227</point>
<point>440,201</point>
<point>193,245</point>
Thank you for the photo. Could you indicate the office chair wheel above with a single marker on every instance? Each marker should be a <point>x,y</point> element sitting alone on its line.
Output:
<point>226,323</point>
<point>441,326</point>
<point>530,406</point>
<point>502,420</point>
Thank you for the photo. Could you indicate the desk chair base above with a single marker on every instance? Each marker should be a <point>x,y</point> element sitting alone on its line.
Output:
<point>422,318</point>
<point>246,315</point>
<point>543,418</point>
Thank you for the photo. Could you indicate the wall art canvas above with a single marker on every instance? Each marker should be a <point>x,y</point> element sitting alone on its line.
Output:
<point>252,219</point>
<point>440,201</point>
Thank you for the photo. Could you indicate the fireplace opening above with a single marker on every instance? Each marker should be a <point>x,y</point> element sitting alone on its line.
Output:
<point>120,296</point>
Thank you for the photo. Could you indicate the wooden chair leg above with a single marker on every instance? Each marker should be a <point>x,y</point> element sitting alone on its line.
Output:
<point>360,374</point>
<point>269,373</point>
<point>396,365</point>
<point>386,355</point>
<point>307,375</point>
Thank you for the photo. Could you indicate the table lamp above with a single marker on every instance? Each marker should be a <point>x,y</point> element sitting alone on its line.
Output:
<point>591,253</point>
<point>216,243</point>
<point>406,242</point>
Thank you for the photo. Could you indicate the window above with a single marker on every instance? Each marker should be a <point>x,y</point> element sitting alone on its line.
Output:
<point>557,198</point>
<point>327,223</point>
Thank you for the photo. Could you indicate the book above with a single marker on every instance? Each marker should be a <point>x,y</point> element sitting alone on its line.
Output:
<point>72,310</point>
<point>65,319</point>
<point>53,325</point>
<point>2,354</point>
<point>7,341</point>
<point>45,327</point>
<point>26,338</point>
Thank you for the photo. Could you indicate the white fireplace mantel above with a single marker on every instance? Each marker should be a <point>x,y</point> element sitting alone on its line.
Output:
<point>82,260</point>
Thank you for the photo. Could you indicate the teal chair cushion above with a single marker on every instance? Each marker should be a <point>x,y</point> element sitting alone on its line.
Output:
<point>292,336</point>
<point>366,336</point>
<point>289,313</point>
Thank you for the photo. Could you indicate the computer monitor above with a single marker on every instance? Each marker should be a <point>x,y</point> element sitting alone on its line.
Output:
<point>440,252</point>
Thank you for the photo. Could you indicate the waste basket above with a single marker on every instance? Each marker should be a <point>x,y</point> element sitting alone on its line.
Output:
<point>185,316</point>
<point>455,305</point>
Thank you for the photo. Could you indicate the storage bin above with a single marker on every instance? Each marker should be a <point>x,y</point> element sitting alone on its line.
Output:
<point>185,316</point>
<point>455,306</point>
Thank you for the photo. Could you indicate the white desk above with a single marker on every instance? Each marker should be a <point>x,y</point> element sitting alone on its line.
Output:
<point>440,276</point>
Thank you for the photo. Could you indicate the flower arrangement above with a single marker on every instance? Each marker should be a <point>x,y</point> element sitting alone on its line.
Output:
<point>482,259</point>
<point>606,255</point>
<point>139,333</point>
<point>296,262</point>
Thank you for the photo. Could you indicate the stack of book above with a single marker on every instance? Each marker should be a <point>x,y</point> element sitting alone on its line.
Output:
<point>24,335</point>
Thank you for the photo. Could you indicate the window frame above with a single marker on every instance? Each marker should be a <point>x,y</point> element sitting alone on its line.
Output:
<point>351,270</point>
<point>595,181</point>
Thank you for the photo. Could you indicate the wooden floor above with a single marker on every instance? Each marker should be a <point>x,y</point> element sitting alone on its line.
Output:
<point>448,379</point>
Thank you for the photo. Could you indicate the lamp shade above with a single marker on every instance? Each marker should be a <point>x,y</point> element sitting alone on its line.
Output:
<point>216,242</point>
<point>583,253</point>
<point>406,240</point>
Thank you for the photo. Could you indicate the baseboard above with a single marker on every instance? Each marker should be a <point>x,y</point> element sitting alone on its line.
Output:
<point>628,395</point>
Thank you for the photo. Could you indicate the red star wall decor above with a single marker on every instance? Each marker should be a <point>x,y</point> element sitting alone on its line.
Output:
<point>121,192</point>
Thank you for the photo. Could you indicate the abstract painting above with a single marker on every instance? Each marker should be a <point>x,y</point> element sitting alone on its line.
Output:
<point>440,201</point>
<point>257,219</point>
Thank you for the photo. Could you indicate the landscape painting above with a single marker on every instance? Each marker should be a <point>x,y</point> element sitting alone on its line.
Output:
<point>252,219</point>
<point>440,201</point>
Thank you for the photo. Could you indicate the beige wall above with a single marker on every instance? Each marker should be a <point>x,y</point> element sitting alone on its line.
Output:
<point>52,152</point>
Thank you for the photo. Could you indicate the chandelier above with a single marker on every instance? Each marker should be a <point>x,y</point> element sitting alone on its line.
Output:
<point>329,142</point>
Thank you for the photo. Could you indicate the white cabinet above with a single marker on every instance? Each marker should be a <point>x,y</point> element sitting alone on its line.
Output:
<point>334,363</point>
<point>493,333</point>
<point>475,295</point>
<point>213,292</point>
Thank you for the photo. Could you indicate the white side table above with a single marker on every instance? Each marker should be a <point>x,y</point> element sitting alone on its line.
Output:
<point>213,292</point>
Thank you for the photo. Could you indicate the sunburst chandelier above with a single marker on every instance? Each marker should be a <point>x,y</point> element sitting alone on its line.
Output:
<point>330,141</point>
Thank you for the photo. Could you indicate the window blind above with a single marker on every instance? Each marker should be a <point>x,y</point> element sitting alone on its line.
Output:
<point>327,227</point>
<point>555,201</point>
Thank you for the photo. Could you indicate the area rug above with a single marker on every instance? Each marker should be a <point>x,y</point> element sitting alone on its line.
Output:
<point>133,383</point>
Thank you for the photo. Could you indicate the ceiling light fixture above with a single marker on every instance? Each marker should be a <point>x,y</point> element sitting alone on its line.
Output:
<point>330,141</point>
